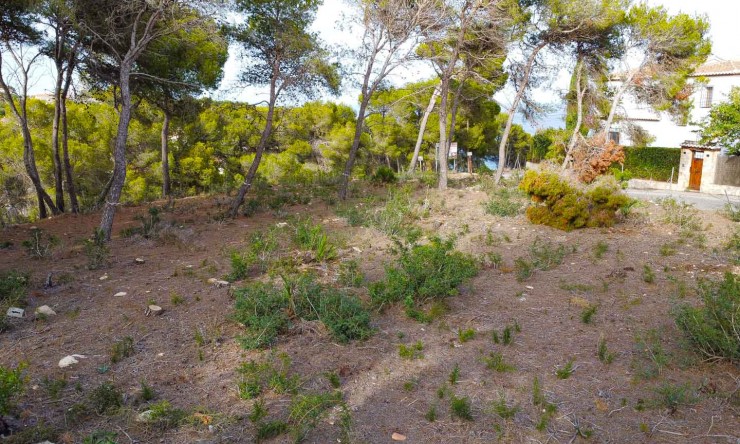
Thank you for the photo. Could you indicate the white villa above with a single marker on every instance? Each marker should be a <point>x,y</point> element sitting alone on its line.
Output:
<point>720,77</point>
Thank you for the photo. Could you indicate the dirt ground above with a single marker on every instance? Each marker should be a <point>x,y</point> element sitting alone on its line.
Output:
<point>385,394</point>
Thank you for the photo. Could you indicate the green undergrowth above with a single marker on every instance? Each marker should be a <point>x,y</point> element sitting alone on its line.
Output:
<point>422,273</point>
<point>267,310</point>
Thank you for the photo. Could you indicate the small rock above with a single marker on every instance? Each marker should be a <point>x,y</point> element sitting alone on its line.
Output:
<point>15,312</point>
<point>120,293</point>
<point>46,311</point>
<point>145,416</point>
<point>70,360</point>
<point>529,287</point>
<point>103,277</point>
<point>46,442</point>
<point>139,260</point>
<point>212,280</point>
<point>398,437</point>
<point>155,310</point>
<point>220,284</point>
<point>357,249</point>
<point>281,224</point>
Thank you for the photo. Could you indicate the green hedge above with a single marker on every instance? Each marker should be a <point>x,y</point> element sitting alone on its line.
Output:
<point>652,163</point>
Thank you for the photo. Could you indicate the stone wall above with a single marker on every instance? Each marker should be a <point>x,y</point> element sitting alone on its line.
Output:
<point>727,171</point>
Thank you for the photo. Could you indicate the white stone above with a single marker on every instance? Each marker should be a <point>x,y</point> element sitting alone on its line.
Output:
<point>212,280</point>
<point>220,284</point>
<point>15,312</point>
<point>46,311</point>
<point>103,277</point>
<point>120,293</point>
<point>281,224</point>
<point>145,416</point>
<point>70,360</point>
<point>139,260</point>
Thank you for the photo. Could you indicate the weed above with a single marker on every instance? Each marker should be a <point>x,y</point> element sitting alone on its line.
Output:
<point>106,399</point>
<point>603,352</point>
<point>668,249</point>
<point>176,299</point>
<point>96,250</point>
<point>588,313</point>
<point>442,391</point>
<point>413,351</point>
<point>54,387</point>
<point>13,287</point>
<point>384,175</point>
<point>431,414</point>
<point>149,223</point>
<point>495,361</point>
<point>454,375</point>
<point>566,371</point>
<point>539,400</point>
<point>649,346</point>
<point>502,409</point>
<point>648,275</point>
<point>465,335</point>
<point>11,386</point>
<point>673,396</point>
<point>543,256</point>
<point>731,211</point>
<point>333,379</point>
<point>733,246</point>
<point>584,288</point>
<point>600,249</point>
<point>101,437</point>
<point>306,410</point>
<point>264,309</point>
<point>504,202</point>
<point>310,236</point>
<point>461,408</point>
<point>714,328</point>
<point>273,374</point>
<point>146,393</point>
<point>271,429</point>
<point>410,385</point>
<point>39,246</point>
<point>523,269</point>
<point>259,411</point>
<point>423,273</point>
<point>350,274</point>
<point>259,253</point>
<point>164,416</point>
<point>506,336</point>
<point>199,337</point>
<point>495,337</point>
<point>122,349</point>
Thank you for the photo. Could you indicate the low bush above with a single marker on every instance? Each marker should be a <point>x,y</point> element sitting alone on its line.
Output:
<point>272,373</point>
<point>543,255</point>
<point>714,328</point>
<point>40,245</point>
<point>267,311</point>
<point>306,411</point>
<point>106,399</point>
<point>423,273</point>
<point>560,205</point>
<point>310,236</point>
<point>96,250</point>
<point>384,175</point>
<point>11,386</point>
<point>504,202</point>
<point>733,246</point>
<point>259,254</point>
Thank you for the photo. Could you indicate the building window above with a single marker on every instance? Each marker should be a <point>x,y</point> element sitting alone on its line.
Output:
<point>614,137</point>
<point>706,97</point>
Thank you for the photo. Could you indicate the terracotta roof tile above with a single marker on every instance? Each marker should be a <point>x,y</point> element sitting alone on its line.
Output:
<point>718,68</point>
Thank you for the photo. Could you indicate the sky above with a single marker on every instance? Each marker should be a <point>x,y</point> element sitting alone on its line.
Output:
<point>722,14</point>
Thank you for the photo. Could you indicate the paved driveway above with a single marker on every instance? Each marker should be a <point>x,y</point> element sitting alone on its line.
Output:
<point>699,200</point>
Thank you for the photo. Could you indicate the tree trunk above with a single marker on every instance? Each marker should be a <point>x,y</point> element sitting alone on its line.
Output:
<point>453,114</point>
<point>266,132</point>
<point>29,160</point>
<point>512,111</point>
<point>344,181</point>
<point>119,152</point>
<point>580,92</point>
<point>442,149</point>
<point>615,104</point>
<point>71,190</point>
<point>58,188</point>
<point>422,128</point>
<point>165,154</point>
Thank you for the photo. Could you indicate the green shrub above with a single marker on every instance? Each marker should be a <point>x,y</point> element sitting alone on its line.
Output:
<point>96,250</point>
<point>101,437</point>
<point>731,211</point>
<point>460,408</point>
<point>652,162</point>
<point>504,202</point>
<point>413,351</point>
<point>588,313</point>
<point>714,328</point>
<point>350,274</point>
<point>11,386</point>
<point>13,287</point>
<point>259,253</point>
<point>423,273</point>
<point>673,396</point>
<point>106,399</point>
<point>122,349</point>
<point>384,174</point>
<point>502,409</point>
<point>495,361</point>
<point>264,310</point>
<point>733,246</point>
<point>562,206</point>
<point>306,410</point>
<point>40,246</point>
<point>543,255</point>
<point>271,429</point>
<point>164,416</point>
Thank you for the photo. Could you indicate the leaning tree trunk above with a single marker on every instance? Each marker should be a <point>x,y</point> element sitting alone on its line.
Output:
<point>165,154</point>
<point>58,177</point>
<point>580,92</point>
<point>512,111</point>
<point>344,180</point>
<point>453,115</point>
<point>29,160</point>
<point>252,172</point>
<point>119,152</point>
<point>422,128</point>
<point>71,190</point>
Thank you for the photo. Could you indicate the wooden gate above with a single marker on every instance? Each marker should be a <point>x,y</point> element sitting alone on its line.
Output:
<point>697,163</point>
